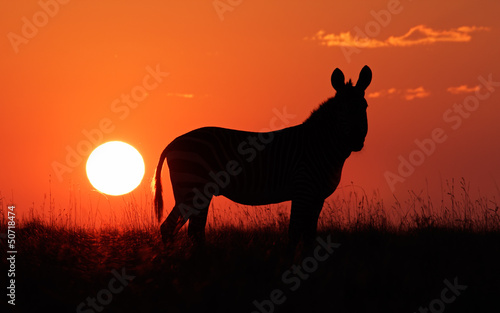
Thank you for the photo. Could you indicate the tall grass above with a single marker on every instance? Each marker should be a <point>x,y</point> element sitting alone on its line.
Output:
<point>67,252</point>
<point>350,208</point>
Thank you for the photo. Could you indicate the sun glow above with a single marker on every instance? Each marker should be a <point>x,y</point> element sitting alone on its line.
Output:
<point>115,168</point>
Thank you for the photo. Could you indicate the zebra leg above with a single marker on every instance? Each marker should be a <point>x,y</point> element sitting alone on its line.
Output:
<point>304,221</point>
<point>310,231</point>
<point>172,224</point>
<point>197,223</point>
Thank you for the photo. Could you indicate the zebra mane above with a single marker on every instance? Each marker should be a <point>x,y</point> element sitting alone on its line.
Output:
<point>322,112</point>
<point>325,110</point>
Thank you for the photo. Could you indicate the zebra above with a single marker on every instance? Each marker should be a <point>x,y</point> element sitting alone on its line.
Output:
<point>302,163</point>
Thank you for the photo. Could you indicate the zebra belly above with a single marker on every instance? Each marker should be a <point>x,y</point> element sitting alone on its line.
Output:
<point>248,198</point>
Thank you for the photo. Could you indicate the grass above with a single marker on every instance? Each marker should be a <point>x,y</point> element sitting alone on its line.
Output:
<point>390,259</point>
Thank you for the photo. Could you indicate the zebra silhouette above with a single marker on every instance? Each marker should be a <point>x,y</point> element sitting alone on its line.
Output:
<point>302,163</point>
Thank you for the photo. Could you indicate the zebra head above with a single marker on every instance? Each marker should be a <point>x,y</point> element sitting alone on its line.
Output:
<point>351,107</point>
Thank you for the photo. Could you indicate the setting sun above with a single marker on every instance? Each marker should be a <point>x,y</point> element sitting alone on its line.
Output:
<point>115,168</point>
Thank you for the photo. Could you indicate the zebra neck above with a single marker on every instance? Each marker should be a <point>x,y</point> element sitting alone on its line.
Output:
<point>328,140</point>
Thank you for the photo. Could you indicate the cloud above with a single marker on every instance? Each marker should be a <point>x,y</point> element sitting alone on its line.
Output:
<point>407,94</point>
<point>419,92</point>
<point>346,40</point>
<point>384,93</point>
<point>376,94</point>
<point>417,35</point>
<point>181,95</point>
<point>462,89</point>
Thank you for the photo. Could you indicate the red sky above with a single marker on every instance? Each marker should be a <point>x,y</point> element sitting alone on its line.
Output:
<point>68,68</point>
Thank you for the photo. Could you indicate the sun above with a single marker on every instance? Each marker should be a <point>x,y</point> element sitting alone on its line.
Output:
<point>115,168</point>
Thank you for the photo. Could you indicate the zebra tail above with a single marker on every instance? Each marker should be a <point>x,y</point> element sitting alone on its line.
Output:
<point>157,189</point>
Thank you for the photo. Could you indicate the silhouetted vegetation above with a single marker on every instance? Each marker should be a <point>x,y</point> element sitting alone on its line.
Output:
<point>389,260</point>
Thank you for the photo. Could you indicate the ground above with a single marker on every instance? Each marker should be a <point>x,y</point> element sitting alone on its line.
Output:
<point>361,269</point>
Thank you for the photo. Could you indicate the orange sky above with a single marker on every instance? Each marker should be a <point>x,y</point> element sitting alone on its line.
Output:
<point>68,67</point>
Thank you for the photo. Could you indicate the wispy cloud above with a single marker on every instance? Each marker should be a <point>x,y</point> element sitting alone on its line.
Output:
<point>407,94</point>
<point>384,93</point>
<point>417,35</point>
<point>181,95</point>
<point>418,92</point>
<point>462,89</point>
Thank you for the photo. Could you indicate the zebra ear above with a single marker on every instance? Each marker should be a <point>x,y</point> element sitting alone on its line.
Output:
<point>338,80</point>
<point>365,78</point>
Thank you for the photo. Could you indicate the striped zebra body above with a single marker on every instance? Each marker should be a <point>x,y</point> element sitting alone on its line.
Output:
<point>302,163</point>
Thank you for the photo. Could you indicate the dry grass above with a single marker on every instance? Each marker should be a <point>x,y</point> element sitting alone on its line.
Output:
<point>391,259</point>
<point>350,208</point>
